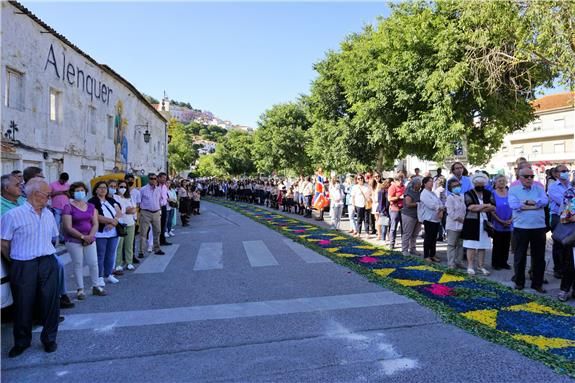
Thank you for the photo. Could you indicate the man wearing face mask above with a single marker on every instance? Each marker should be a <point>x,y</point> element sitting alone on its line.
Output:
<point>556,192</point>
<point>527,202</point>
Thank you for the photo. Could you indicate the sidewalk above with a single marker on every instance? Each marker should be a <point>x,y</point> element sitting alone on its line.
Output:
<point>501,276</point>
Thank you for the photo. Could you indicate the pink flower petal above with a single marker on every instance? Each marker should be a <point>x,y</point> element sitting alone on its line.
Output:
<point>368,260</point>
<point>324,242</point>
<point>440,290</point>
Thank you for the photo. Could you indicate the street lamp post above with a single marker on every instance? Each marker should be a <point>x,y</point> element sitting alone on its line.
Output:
<point>147,134</point>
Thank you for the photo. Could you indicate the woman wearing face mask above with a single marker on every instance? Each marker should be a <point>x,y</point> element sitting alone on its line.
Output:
<point>502,224</point>
<point>172,208</point>
<point>80,220</point>
<point>430,211</point>
<point>456,211</point>
<point>109,212</point>
<point>125,251</point>
<point>474,234</point>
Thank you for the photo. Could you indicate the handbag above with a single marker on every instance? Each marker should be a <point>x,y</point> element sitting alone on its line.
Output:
<point>173,203</point>
<point>488,227</point>
<point>564,233</point>
<point>368,203</point>
<point>383,220</point>
<point>122,229</point>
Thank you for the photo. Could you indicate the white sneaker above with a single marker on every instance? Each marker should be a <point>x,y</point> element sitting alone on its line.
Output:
<point>119,268</point>
<point>172,233</point>
<point>130,267</point>
<point>112,279</point>
<point>101,282</point>
<point>484,271</point>
<point>150,249</point>
<point>167,234</point>
<point>470,271</point>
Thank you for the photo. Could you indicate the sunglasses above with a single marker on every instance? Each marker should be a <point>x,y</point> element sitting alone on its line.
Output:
<point>529,177</point>
<point>153,178</point>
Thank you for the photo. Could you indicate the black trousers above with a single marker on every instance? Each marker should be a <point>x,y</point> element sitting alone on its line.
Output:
<point>568,280</point>
<point>35,285</point>
<point>163,222</point>
<point>430,239</point>
<point>557,247</point>
<point>523,239</point>
<point>360,213</point>
<point>500,253</point>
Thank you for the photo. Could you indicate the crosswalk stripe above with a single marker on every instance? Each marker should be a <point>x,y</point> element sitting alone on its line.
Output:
<point>107,321</point>
<point>209,256</point>
<point>259,254</point>
<point>157,263</point>
<point>309,256</point>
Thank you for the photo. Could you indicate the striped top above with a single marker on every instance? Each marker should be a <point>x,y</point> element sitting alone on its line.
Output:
<point>30,234</point>
<point>150,198</point>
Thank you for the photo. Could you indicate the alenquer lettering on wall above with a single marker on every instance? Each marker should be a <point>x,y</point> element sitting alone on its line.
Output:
<point>73,75</point>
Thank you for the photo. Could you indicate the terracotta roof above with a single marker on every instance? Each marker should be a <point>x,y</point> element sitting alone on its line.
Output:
<point>104,67</point>
<point>554,101</point>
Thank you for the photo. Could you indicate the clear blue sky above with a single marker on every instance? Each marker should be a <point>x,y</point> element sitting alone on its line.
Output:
<point>233,59</point>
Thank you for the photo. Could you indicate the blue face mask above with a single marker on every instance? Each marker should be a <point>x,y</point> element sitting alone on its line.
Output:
<point>112,190</point>
<point>456,190</point>
<point>564,176</point>
<point>79,195</point>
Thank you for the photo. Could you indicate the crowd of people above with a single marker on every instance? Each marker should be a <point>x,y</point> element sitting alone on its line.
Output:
<point>99,228</point>
<point>472,213</point>
<point>110,226</point>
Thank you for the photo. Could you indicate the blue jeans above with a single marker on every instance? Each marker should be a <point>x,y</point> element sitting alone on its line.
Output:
<point>61,276</point>
<point>170,219</point>
<point>58,218</point>
<point>106,248</point>
<point>394,220</point>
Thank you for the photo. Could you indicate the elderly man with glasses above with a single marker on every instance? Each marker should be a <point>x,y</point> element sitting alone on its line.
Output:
<point>528,202</point>
<point>150,214</point>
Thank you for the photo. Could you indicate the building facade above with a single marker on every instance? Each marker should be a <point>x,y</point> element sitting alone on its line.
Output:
<point>63,111</point>
<point>547,141</point>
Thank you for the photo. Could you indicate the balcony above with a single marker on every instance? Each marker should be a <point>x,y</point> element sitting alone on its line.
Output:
<point>543,134</point>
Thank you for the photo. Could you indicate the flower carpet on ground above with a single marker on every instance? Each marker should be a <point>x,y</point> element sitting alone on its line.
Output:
<point>538,327</point>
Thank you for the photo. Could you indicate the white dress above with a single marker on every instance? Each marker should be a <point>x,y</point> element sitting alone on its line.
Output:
<point>484,242</point>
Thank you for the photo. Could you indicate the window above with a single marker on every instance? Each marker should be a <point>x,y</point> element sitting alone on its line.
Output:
<point>55,104</point>
<point>536,126</point>
<point>560,147</point>
<point>536,149</point>
<point>518,151</point>
<point>559,124</point>
<point>92,119</point>
<point>110,127</point>
<point>14,90</point>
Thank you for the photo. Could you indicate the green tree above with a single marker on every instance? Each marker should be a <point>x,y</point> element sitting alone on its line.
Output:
<point>280,140</point>
<point>207,167</point>
<point>234,154</point>
<point>181,151</point>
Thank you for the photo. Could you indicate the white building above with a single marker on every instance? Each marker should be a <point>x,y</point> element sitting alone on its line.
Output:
<point>547,141</point>
<point>182,114</point>
<point>71,113</point>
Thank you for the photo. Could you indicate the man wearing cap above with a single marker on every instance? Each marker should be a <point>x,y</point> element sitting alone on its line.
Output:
<point>527,202</point>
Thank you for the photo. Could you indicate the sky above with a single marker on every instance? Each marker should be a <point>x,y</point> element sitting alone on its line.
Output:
<point>234,59</point>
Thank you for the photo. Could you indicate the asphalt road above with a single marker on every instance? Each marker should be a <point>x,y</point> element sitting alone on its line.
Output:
<point>234,301</point>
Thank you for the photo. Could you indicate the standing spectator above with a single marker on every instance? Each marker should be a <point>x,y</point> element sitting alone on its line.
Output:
<point>430,212</point>
<point>568,217</point>
<point>474,232</point>
<point>458,171</point>
<point>556,192</point>
<point>150,214</point>
<point>65,302</point>
<point>527,202</point>
<point>375,226</point>
<point>307,195</point>
<point>502,224</point>
<point>162,179</point>
<point>360,194</point>
<point>456,211</point>
<point>350,208</point>
<point>172,208</point>
<point>409,222</point>
<point>18,174</point>
<point>11,193</point>
<point>60,199</point>
<point>80,222</point>
<point>395,198</point>
<point>336,196</point>
<point>125,251</point>
<point>383,207</point>
<point>109,213</point>
<point>186,202</point>
<point>417,171</point>
<point>441,193</point>
<point>27,233</point>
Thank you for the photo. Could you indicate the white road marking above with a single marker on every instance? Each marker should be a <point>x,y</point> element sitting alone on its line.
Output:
<point>210,256</point>
<point>308,256</point>
<point>259,254</point>
<point>157,263</point>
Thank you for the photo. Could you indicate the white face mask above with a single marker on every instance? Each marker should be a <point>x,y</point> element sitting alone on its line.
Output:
<point>122,191</point>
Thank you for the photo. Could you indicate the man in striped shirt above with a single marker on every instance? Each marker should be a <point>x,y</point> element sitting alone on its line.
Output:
<point>27,233</point>
<point>150,214</point>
